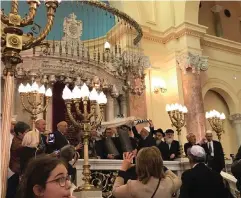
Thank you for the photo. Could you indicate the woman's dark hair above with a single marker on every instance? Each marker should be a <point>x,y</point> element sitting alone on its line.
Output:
<point>21,127</point>
<point>67,153</point>
<point>37,173</point>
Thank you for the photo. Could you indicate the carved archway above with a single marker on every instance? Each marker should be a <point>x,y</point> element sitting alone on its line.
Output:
<point>225,90</point>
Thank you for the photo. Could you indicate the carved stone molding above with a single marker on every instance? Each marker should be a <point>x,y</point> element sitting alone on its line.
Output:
<point>191,61</point>
<point>235,117</point>
<point>174,33</point>
<point>221,44</point>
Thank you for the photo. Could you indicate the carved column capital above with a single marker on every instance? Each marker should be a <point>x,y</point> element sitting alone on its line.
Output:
<point>191,61</point>
<point>216,8</point>
<point>236,118</point>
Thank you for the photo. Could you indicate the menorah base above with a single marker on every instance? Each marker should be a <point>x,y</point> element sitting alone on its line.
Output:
<point>80,192</point>
<point>86,187</point>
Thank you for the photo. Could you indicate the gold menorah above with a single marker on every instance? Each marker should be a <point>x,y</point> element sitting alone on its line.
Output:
<point>87,119</point>
<point>216,120</point>
<point>35,96</point>
<point>177,116</point>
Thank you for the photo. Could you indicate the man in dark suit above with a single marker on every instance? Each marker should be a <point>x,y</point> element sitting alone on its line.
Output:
<point>59,140</point>
<point>214,151</point>
<point>191,138</point>
<point>96,145</point>
<point>159,135</point>
<point>145,137</point>
<point>200,181</point>
<point>112,145</point>
<point>170,150</point>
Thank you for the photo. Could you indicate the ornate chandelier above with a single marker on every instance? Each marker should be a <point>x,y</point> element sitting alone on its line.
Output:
<point>118,51</point>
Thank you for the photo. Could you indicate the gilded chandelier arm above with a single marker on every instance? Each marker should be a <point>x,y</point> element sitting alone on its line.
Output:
<point>51,8</point>
<point>24,106</point>
<point>14,7</point>
<point>4,18</point>
<point>45,107</point>
<point>32,12</point>
<point>77,107</point>
<point>71,117</point>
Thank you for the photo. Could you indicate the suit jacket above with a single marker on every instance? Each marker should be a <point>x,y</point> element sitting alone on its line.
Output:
<point>166,151</point>
<point>96,149</point>
<point>217,163</point>
<point>187,146</point>
<point>117,144</point>
<point>200,182</point>
<point>134,188</point>
<point>148,141</point>
<point>60,141</point>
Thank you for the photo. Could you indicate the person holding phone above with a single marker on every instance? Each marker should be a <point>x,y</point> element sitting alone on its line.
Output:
<point>57,139</point>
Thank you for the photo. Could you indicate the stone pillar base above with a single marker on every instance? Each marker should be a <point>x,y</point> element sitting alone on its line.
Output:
<point>88,194</point>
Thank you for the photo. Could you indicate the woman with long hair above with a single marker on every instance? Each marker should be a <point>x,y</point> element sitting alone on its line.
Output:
<point>151,179</point>
<point>45,177</point>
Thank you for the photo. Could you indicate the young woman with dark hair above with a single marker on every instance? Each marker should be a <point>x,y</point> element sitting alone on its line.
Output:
<point>45,177</point>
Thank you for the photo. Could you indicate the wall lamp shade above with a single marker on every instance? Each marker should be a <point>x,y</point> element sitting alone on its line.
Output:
<point>176,107</point>
<point>107,45</point>
<point>159,85</point>
<point>215,114</point>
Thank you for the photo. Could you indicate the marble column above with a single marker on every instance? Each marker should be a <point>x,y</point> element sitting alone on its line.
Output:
<point>236,120</point>
<point>217,20</point>
<point>124,105</point>
<point>6,124</point>
<point>191,65</point>
<point>110,113</point>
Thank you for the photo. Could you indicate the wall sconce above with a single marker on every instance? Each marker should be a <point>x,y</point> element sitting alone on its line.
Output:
<point>159,85</point>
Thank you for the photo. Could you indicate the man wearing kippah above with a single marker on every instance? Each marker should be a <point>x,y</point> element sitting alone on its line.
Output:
<point>200,181</point>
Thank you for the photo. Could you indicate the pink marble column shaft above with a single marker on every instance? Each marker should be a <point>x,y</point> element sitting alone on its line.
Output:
<point>137,106</point>
<point>193,100</point>
<point>5,133</point>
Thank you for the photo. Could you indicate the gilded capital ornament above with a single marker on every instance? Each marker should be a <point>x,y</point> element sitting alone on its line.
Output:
<point>191,61</point>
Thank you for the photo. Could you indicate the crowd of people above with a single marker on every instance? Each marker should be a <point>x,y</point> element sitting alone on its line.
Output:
<point>42,160</point>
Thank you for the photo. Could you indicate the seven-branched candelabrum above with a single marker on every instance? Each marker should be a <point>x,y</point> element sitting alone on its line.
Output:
<point>87,119</point>
<point>216,120</point>
<point>177,115</point>
<point>37,97</point>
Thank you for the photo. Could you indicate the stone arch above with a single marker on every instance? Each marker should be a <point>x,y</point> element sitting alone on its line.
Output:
<point>225,90</point>
<point>191,11</point>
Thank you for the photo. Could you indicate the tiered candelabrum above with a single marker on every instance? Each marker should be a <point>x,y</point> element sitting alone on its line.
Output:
<point>87,119</point>
<point>216,120</point>
<point>35,96</point>
<point>177,114</point>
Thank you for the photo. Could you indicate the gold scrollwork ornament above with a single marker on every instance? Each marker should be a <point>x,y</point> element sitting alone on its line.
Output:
<point>14,41</point>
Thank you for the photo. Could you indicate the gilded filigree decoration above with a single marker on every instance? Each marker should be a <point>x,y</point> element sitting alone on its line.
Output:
<point>191,61</point>
<point>104,180</point>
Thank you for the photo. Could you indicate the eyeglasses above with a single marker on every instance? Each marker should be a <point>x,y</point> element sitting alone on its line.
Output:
<point>61,181</point>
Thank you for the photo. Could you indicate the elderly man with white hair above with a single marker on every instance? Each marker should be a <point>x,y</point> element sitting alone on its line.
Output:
<point>200,181</point>
<point>214,151</point>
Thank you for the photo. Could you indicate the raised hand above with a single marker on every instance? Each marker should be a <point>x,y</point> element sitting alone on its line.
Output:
<point>127,161</point>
